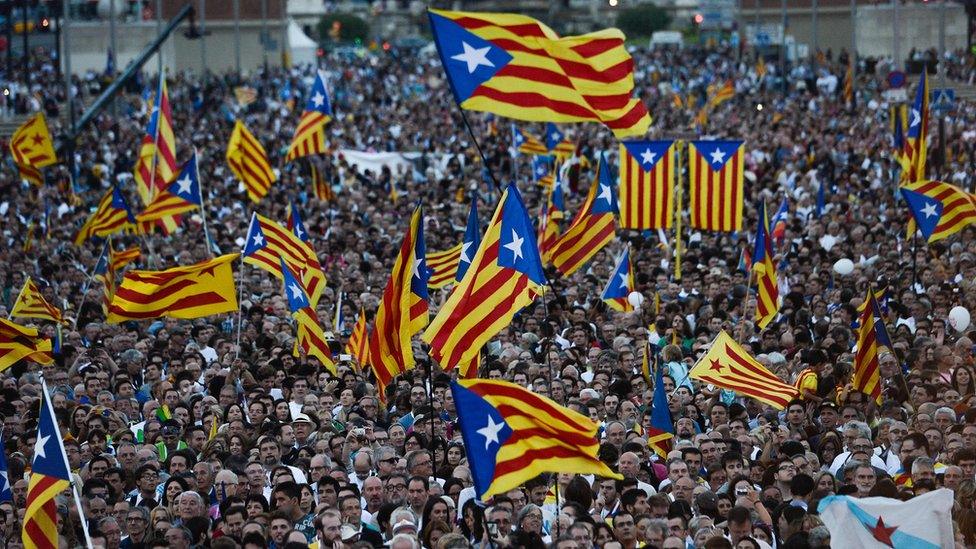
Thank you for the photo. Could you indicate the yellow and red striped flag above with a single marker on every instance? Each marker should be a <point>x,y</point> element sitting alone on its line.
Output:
<point>22,343</point>
<point>444,266</point>
<point>767,288</point>
<point>504,276</point>
<point>916,137</point>
<point>527,143</point>
<point>32,149</point>
<point>721,94</point>
<point>104,271</point>
<point>267,242</point>
<point>111,216</point>
<point>31,304</point>
<point>549,221</point>
<point>761,68</point>
<point>593,227</point>
<point>716,185</point>
<point>310,338</point>
<point>938,209</point>
<point>245,95</point>
<point>358,343</point>
<point>184,194</point>
<point>515,435</point>
<point>867,370</point>
<point>621,284</point>
<point>403,311</point>
<point>309,136</point>
<point>647,171</point>
<point>119,259</point>
<point>515,66</point>
<point>249,162</point>
<point>321,186</point>
<point>729,366</point>
<point>50,476</point>
<point>191,291</point>
<point>849,84</point>
<point>158,151</point>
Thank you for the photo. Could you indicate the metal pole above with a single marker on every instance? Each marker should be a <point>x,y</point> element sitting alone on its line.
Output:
<point>895,54</point>
<point>159,30</point>
<point>816,36</point>
<point>26,51</point>
<point>782,46</point>
<point>264,32</point>
<point>237,35</point>
<point>942,84</point>
<point>203,41</point>
<point>115,51</point>
<point>66,52</point>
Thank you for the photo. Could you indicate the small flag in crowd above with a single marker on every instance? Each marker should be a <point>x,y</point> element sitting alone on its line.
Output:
<point>6,494</point>
<point>918,128</point>
<point>267,242</point>
<point>50,475</point>
<point>321,186</point>
<point>309,136</point>
<point>867,369</point>
<point>647,175</point>
<point>112,215</point>
<point>527,143</point>
<point>729,366</point>
<point>716,185</point>
<point>938,209</point>
<point>293,221</point>
<point>358,343</point>
<point>31,304</point>
<point>557,144</point>
<point>472,239</point>
<point>158,152</point>
<point>620,285</point>
<point>22,343</point>
<point>245,95</point>
<point>32,149</point>
<point>767,289</point>
<point>593,227</point>
<point>661,432</point>
<point>549,220</point>
<point>542,171</point>
<point>310,337</point>
<point>249,162</point>
<point>184,194</point>
<point>443,266</point>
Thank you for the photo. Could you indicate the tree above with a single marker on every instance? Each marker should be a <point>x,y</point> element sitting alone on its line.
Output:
<point>343,27</point>
<point>642,20</point>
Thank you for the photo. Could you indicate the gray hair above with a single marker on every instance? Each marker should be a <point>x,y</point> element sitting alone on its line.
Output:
<point>860,426</point>
<point>403,513</point>
<point>143,512</point>
<point>412,540</point>
<point>108,520</point>
<point>660,525</point>
<point>947,410</point>
<point>819,536</point>
<point>921,462</point>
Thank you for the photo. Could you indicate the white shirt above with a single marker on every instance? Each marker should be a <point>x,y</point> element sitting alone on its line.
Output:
<point>843,458</point>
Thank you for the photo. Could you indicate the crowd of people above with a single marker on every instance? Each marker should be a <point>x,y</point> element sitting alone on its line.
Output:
<point>303,458</point>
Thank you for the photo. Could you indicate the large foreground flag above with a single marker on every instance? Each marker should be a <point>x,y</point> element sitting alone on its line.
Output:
<point>505,275</point>
<point>191,291</point>
<point>50,475</point>
<point>716,184</point>
<point>512,434</point>
<point>729,366</point>
<point>647,171</point>
<point>938,209</point>
<point>923,522</point>
<point>513,65</point>
<point>309,136</point>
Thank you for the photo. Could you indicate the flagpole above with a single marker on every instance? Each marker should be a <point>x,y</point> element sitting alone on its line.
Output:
<point>545,349</point>
<point>203,209</point>
<point>240,309</point>
<point>481,153</point>
<point>914,259</point>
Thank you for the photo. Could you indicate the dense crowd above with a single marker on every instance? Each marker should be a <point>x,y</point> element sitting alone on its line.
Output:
<point>301,457</point>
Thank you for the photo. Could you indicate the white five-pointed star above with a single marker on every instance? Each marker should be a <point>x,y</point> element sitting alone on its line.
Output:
<point>318,99</point>
<point>490,432</point>
<point>718,156</point>
<point>647,157</point>
<point>624,279</point>
<point>474,57</point>
<point>519,138</point>
<point>39,446</point>
<point>555,136</point>
<point>296,292</point>
<point>417,266</point>
<point>929,210</point>
<point>4,484</point>
<point>258,240</point>
<point>916,118</point>
<point>464,251</point>
<point>605,194</point>
<point>299,232</point>
<point>515,245</point>
<point>185,184</point>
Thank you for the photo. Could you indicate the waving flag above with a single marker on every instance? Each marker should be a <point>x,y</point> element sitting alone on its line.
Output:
<point>716,185</point>
<point>358,343</point>
<point>647,171</point>
<point>191,291</point>
<point>549,220</point>
<point>249,162</point>
<point>156,166</point>
<point>50,475</point>
<point>849,83</point>
<point>767,289</point>
<point>5,492</point>
<point>527,143</point>
<point>310,338</point>
<point>119,259</point>
<point>729,366</point>
<point>294,223</point>
<point>542,171</point>
<point>471,242</point>
<point>111,216</point>
<point>777,225</point>
<point>512,435</point>
<point>720,94</point>
<point>182,195</point>
<point>867,377</point>
<point>403,310</point>
<point>309,136</point>
<point>661,432</point>
<point>557,144</point>
<point>918,128</point>
<point>104,271</point>
<point>505,275</point>
<point>321,187</point>
<point>31,304</point>
<point>245,95</point>
<point>443,266</point>
<point>22,343</point>
<point>620,285</point>
<point>593,227</point>
<point>922,522</point>
<point>32,149</point>
<point>267,242</point>
<point>515,66</point>
<point>939,209</point>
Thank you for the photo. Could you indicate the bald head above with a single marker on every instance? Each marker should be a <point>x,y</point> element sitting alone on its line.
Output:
<point>628,464</point>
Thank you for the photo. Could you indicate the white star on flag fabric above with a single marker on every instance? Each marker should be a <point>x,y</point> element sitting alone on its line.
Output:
<point>929,209</point>
<point>473,57</point>
<point>647,157</point>
<point>318,99</point>
<point>490,432</point>
<point>718,156</point>
<point>515,245</point>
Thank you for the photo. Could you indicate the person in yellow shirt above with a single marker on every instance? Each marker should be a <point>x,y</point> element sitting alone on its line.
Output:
<point>809,378</point>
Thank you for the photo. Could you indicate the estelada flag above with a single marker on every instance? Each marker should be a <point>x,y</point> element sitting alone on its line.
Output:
<point>729,366</point>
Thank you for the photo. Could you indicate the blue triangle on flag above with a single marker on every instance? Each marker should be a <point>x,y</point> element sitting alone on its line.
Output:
<point>468,59</point>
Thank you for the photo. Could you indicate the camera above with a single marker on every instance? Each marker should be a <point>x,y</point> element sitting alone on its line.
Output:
<point>492,529</point>
<point>741,492</point>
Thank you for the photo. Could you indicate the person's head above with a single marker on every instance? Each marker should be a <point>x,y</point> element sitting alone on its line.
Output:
<point>864,479</point>
<point>739,523</point>
<point>624,527</point>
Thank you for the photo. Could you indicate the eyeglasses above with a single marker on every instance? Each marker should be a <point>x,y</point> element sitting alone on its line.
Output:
<point>394,487</point>
<point>787,468</point>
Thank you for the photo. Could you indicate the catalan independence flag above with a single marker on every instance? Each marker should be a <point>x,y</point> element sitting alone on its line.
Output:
<point>938,209</point>
<point>358,343</point>
<point>918,129</point>
<point>553,213</point>
<point>505,275</point>
<point>593,227</point>
<point>527,143</point>
<point>867,370</point>
<point>620,285</point>
<point>32,149</point>
<point>403,310</point>
<point>310,338</point>
<point>22,343</point>
<point>50,475</point>
<point>293,220</point>
<point>720,94</point>
<point>647,170</point>
<point>309,136</point>
<point>321,187</point>
<point>514,66</point>
<point>119,259</point>
<point>898,115</point>
<point>729,366</point>
<point>661,432</point>
<point>249,162</point>
<point>111,216</point>
<point>767,289</point>
<point>471,242</point>
<point>156,166</point>
<point>267,242</point>
<point>512,435</point>
<point>716,186</point>
<point>556,142</point>
<point>443,266</point>
<point>105,273</point>
<point>543,171</point>
<point>191,291</point>
<point>31,304</point>
<point>184,194</point>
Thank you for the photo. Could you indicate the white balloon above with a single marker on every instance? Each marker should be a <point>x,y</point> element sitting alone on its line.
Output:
<point>959,318</point>
<point>636,299</point>
<point>844,267</point>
